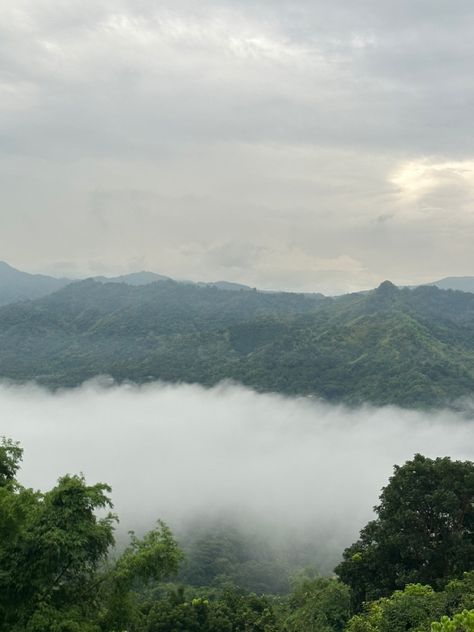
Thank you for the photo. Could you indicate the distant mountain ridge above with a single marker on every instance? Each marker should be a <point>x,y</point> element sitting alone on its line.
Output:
<point>19,286</point>
<point>133,278</point>
<point>16,285</point>
<point>411,347</point>
<point>462,283</point>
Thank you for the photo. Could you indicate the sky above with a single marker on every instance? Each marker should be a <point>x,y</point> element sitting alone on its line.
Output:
<point>300,144</point>
<point>182,452</point>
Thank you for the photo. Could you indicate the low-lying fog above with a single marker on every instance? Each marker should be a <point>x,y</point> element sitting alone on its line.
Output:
<point>177,452</point>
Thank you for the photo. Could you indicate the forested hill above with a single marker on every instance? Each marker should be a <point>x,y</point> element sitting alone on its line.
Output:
<point>19,286</point>
<point>413,347</point>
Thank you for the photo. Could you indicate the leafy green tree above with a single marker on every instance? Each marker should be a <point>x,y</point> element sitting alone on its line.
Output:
<point>423,533</point>
<point>51,547</point>
<point>462,622</point>
<point>54,569</point>
<point>176,613</point>
<point>318,605</point>
<point>246,612</point>
<point>10,458</point>
<point>410,609</point>
<point>232,611</point>
<point>145,561</point>
<point>459,594</point>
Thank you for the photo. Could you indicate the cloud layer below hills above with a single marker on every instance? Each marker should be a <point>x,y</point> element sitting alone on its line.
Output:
<point>181,452</point>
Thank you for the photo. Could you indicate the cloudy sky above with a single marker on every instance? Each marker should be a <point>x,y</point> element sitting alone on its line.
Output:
<point>297,144</point>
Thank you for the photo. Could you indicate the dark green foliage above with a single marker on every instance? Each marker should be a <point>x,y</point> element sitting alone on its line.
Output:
<point>318,605</point>
<point>233,611</point>
<point>220,555</point>
<point>410,609</point>
<point>424,531</point>
<point>145,561</point>
<point>10,458</point>
<point>408,347</point>
<point>415,608</point>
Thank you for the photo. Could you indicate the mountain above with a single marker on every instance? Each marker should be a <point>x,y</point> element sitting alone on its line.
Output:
<point>464,284</point>
<point>412,347</point>
<point>134,278</point>
<point>20,286</point>
<point>16,285</point>
<point>227,285</point>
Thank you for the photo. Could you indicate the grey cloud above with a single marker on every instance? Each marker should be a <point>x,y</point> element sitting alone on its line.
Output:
<point>235,73</point>
<point>274,124</point>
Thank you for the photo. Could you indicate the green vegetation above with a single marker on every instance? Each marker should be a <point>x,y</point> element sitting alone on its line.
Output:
<point>462,622</point>
<point>218,554</point>
<point>59,573</point>
<point>389,346</point>
<point>415,608</point>
<point>423,532</point>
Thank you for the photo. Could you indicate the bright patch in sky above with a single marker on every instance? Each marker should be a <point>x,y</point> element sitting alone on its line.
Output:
<point>295,145</point>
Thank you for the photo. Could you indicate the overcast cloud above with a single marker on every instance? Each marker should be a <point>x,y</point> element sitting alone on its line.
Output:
<point>301,145</point>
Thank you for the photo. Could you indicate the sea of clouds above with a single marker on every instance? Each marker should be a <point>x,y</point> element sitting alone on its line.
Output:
<point>180,452</point>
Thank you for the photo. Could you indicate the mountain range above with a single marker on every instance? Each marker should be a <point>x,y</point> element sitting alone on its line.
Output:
<point>16,285</point>
<point>412,347</point>
<point>20,286</point>
<point>462,283</point>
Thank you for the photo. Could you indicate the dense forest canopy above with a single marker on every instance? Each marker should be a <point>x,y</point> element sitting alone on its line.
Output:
<point>411,347</point>
<point>59,573</point>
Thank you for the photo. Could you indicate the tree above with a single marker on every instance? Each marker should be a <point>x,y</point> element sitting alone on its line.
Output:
<point>54,552</point>
<point>51,546</point>
<point>423,533</point>
<point>462,622</point>
<point>10,457</point>
<point>411,609</point>
<point>232,611</point>
<point>318,604</point>
<point>146,560</point>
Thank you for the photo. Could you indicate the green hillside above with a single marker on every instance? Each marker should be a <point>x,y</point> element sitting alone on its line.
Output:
<point>401,346</point>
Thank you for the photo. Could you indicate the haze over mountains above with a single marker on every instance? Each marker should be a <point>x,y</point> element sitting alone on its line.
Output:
<point>19,286</point>
<point>412,347</point>
<point>462,283</point>
<point>16,285</point>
